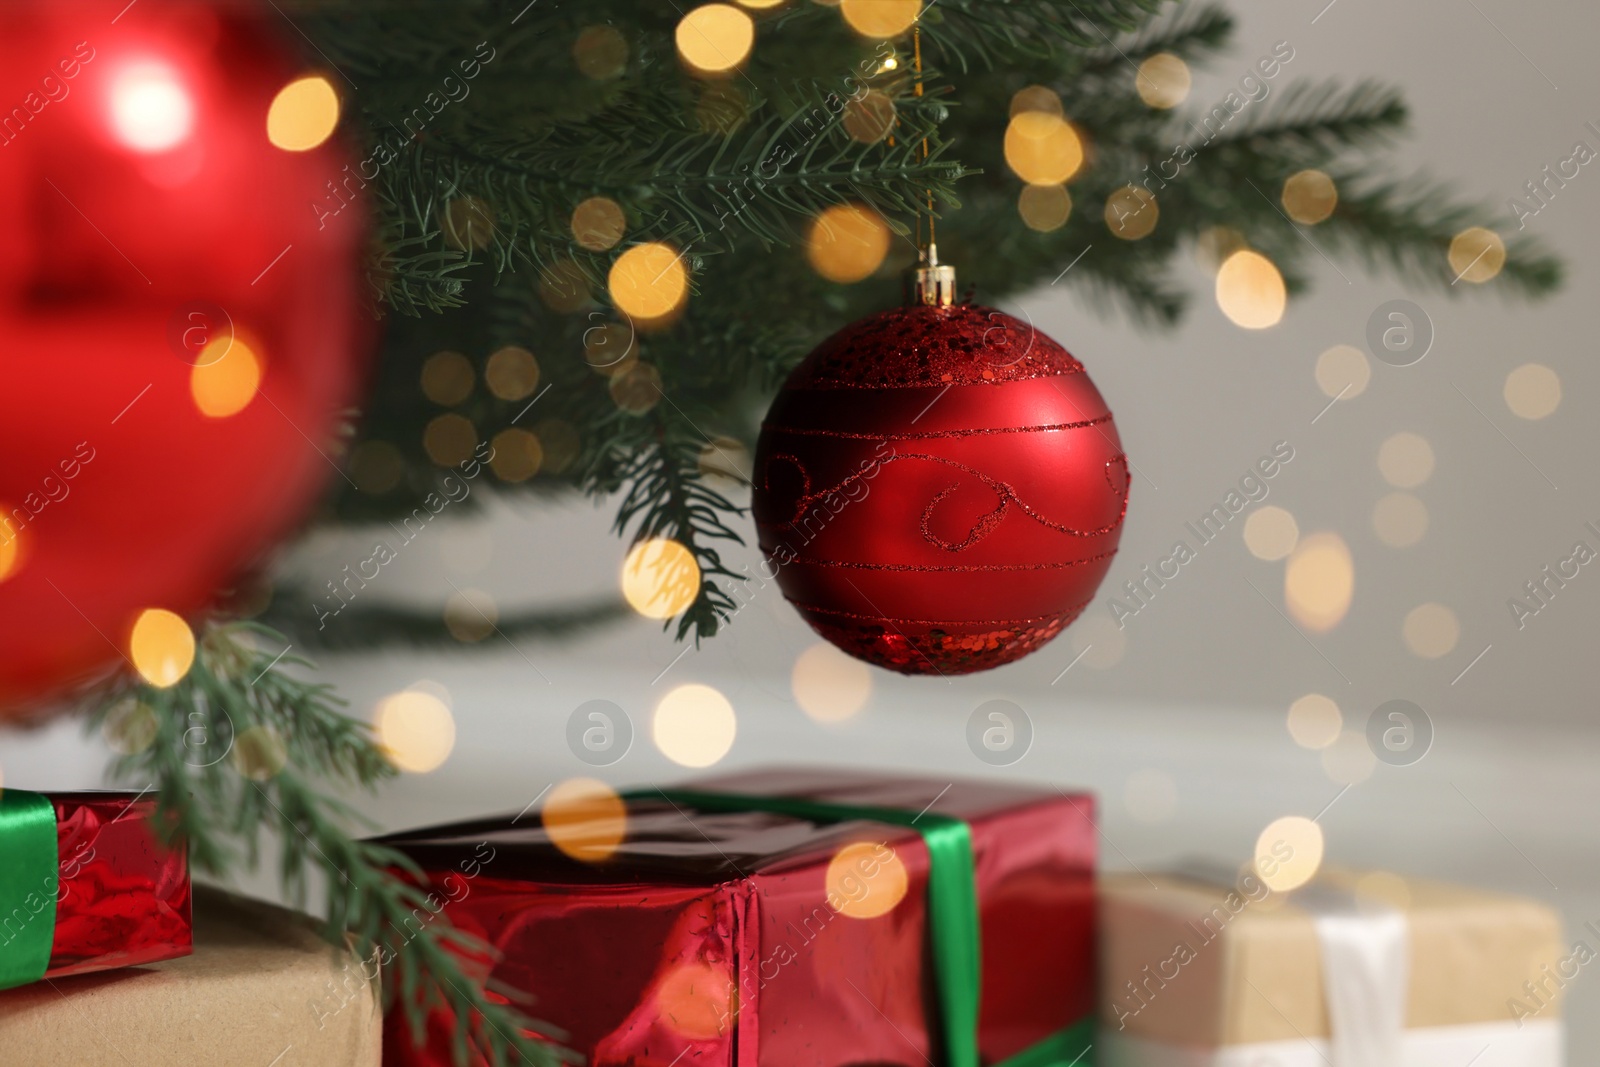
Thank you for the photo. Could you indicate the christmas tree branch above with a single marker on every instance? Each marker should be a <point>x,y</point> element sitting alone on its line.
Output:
<point>234,750</point>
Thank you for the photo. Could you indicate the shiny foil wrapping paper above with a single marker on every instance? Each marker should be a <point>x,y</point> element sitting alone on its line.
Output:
<point>123,899</point>
<point>709,939</point>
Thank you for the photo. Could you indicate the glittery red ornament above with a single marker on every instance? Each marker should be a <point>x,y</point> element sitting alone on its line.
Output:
<point>144,212</point>
<point>940,490</point>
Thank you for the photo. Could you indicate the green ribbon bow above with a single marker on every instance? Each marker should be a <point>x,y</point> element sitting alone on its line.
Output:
<point>952,917</point>
<point>28,886</point>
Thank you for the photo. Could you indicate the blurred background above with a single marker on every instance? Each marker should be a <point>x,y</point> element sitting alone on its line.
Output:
<point>1380,566</point>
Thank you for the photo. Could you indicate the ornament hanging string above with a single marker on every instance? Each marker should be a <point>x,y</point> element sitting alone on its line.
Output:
<point>916,55</point>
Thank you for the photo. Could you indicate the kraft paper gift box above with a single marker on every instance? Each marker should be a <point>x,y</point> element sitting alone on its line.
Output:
<point>786,918</point>
<point>1350,971</point>
<point>261,988</point>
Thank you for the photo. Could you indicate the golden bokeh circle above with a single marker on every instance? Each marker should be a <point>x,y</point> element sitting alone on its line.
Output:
<point>563,287</point>
<point>847,242</point>
<point>1036,98</point>
<point>447,378</point>
<point>869,117</point>
<point>1319,582</point>
<point>865,880</point>
<point>636,388</point>
<point>304,114</point>
<point>1270,532</point>
<point>415,729</point>
<point>161,647</point>
<point>512,373</point>
<point>1431,630</point>
<point>1315,721</point>
<point>598,223</point>
<point>1477,255</point>
<point>1132,212</point>
<point>1309,197</point>
<point>1289,853</point>
<point>1042,148</point>
<point>1533,391</point>
<point>517,455</point>
<point>600,52</point>
<point>1400,520</point>
<point>880,18</point>
<point>610,348</point>
<point>649,282</point>
<point>1349,759</point>
<point>449,439</point>
<point>828,685</point>
<point>1163,81</point>
<point>694,725</point>
<point>10,544</point>
<point>1343,371</point>
<point>259,753</point>
<point>1044,207</point>
<point>660,578</point>
<point>697,1001</point>
<point>585,818</point>
<point>1215,244</point>
<point>223,385</point>
<point>1250,290</point>
<point>1405,460</point>
<point>715,38</point>
<point>470,615</point>
<point>468,223</point>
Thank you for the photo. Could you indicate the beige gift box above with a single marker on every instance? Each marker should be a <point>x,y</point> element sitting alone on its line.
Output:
<point>1192,965</point>
<point>262,988</point>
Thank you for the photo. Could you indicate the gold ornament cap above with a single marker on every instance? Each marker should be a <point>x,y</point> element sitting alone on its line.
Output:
<point>935,282</point>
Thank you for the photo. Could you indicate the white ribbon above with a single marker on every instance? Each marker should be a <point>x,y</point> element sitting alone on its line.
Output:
<point>1366,975</point>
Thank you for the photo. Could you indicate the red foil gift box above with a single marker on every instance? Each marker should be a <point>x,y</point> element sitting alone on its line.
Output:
<point>785,918</point>
<point>85,886</point>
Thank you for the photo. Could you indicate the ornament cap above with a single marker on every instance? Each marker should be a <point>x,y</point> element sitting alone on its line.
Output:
<point>934,282</point>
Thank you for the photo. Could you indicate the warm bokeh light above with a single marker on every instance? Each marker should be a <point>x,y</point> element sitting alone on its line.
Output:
<point>10,544</point>
<point>694,726</point>
<point>1319,581</point>
<point>1343,371</point>
<point>450,439</point>
<point>880,18</point>
<point>725,459</point>
<point>303,114</point>
<point>610,348</point>
<point>1151,796</point>
<point>1132,212</point>
<point>869,117</point>
<point>1405,460</point>
<point>1349,759</point>
<point>415,729</point>
<point>468,223</point>
<point>865,880</point>
<point>1163,81</point>
<point>161,647</point>
<point>1099,641</point>
<point>649,281</point>
<point>1309,197</point>
<point>1477,254</point>
<point>470,615</point>
<point>512,373</point>
<point>697,1001</point>
<point>598,223</point>
<point>1289,853</point>
<point>258,753</point>
<point>636,388</point>
<point>1250,291</point>
<point>1533,391</point>
<point>1315,721</point>
<point>1431,630</point>
<point>585,818</point>
<point>447,378</point>
<point>1400,520</point>
<point>1036,98</point>
<point>1215,244</point>
<point>828,685</point>
<point>600,52</point>
<point>1270,532</point>
<point>223,385</point>
<point>847,242</point>
<point>1042,148</point>
<point>715,38</point>
<point>660,578</point>
<point>760,5</point>
<point>151,111</point>
<point>1044,207</point>
<point>517,455</point>
<point>130,727</point>
<point>564,287</point>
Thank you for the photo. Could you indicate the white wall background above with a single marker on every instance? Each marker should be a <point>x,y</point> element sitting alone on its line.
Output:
<point>1184,735</point>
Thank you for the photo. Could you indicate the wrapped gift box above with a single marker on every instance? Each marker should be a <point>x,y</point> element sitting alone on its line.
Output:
<point>262,988</point>
<point>788,919</point>
<point>85,886</point>
<point>1351,971</point>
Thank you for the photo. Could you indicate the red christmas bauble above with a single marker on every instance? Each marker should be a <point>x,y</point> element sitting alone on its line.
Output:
<point>939,490</point>
<point>180,318</point>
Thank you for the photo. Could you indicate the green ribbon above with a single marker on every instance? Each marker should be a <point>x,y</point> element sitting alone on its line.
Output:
<point>28,886</point>
<point>952,916</point>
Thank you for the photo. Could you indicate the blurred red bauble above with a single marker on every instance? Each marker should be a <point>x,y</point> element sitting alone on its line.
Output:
<point>180,316</point>
<point>940,490</point>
